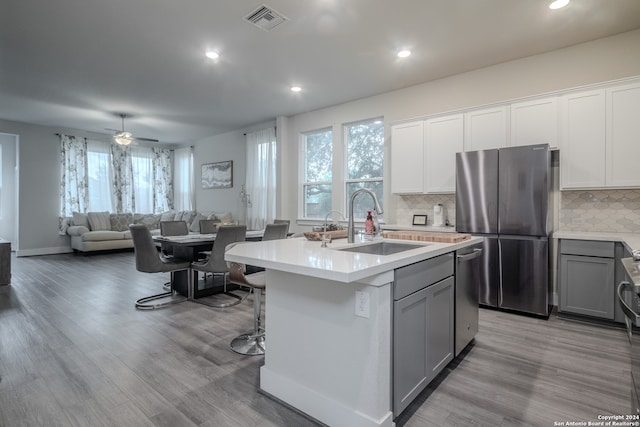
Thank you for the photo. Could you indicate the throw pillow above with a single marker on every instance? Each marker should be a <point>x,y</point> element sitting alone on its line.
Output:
<point>150,220</point>
<point>188,216</point>
<point>195,224</point>
<point>80,219</point>
<point>99,221</point>
<point>168,216</point>
<point>120,222</point>
<point>225,218</point>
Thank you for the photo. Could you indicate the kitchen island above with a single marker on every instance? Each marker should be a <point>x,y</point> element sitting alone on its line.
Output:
<point>329,325</point>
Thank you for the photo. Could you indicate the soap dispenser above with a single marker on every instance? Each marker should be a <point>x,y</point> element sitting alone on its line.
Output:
<point>369,229</point>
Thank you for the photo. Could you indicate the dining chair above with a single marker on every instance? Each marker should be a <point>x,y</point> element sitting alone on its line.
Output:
<point>216,264</point>
<point>275,231</point>
<point>253,342</point>
<point>148,260</point>
<point>209,226</point>
<point>283,221</point>
<point>174,228</point>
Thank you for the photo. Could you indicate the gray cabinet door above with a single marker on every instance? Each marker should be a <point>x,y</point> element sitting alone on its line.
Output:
<point>423,340</point>
<point>410,374</point>
<point>440,326</point>
<point>586,285</point>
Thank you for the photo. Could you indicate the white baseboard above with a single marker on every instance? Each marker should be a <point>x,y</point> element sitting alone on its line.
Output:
<point>44,251</point>
<point>321,407</point>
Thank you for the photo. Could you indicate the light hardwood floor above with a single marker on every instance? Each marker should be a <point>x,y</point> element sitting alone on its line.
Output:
<point>75,352</point>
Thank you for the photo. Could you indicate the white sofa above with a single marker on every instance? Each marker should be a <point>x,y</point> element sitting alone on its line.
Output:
<point>101,231</point>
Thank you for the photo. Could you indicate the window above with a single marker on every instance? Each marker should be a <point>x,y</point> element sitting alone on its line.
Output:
<point>364,163</point>
<point>99,176</point>
<point>317,179</point>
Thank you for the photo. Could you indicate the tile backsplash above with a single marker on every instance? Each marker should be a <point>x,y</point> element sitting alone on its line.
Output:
<point>407,206</point>
<point>584,210</point>
<point>600,210</point>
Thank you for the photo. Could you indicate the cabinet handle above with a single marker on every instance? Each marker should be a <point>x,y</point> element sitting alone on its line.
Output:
<point>468,257</point>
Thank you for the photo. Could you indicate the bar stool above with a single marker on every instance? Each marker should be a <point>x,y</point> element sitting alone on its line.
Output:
<point>251,343</point>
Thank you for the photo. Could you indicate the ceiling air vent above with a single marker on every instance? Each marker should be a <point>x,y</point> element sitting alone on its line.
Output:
<point>266,18</point>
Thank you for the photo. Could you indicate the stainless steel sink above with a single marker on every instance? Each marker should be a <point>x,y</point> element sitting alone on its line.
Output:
<point>382,248</point>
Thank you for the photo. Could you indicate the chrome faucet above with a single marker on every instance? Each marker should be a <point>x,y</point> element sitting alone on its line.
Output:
<point>377,208</point>
<point>326,240</point>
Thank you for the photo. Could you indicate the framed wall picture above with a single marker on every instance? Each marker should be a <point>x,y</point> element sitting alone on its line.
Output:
<point>419,220</point>
<point>217,175</point>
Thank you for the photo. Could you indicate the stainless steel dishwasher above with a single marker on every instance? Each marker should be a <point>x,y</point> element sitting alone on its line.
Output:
<point>468,273</point>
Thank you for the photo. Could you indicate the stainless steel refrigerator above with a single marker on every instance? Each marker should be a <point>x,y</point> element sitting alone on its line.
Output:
<point>503,195</point>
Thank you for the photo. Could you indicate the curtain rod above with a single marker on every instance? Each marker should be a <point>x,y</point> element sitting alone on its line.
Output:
<point>275,128</point>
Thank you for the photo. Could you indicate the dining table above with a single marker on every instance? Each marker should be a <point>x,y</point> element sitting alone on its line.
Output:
<point>188,247</point>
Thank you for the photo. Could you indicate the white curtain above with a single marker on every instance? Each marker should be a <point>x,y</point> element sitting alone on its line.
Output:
<point>73,173</point>
<point>142,179</point>
<point>162,189</point>
<point>261,178</point>
<point>183,194</point>
<point>99,176</point>
<point>122,184</point>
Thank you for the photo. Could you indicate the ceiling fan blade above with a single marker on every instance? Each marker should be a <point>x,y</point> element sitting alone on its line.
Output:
<point>145,139</point>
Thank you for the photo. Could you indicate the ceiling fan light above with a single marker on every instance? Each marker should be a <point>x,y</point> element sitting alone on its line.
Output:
<point>558,4</point>
<point>123,138</point>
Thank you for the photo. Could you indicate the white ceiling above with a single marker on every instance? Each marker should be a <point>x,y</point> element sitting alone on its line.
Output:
<point>77,64</point>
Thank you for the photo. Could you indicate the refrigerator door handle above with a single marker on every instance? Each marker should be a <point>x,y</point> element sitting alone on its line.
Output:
<point>500,296</point>
<point>468,257</point>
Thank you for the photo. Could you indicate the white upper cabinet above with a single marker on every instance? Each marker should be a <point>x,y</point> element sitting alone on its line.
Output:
<point>485,128</point>
<point>582,146</point>
<point>623,136</point>
<point>407,157</point>
<point>443,139</point>
<point>535,122</point>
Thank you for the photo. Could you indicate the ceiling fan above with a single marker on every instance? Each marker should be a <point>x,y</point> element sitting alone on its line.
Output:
<point>122,137</point>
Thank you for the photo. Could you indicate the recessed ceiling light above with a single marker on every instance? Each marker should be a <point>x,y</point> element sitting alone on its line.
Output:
<point>558,4</point>
<point>404,53</point>
<point>296,88</point>
<point>213,55</point>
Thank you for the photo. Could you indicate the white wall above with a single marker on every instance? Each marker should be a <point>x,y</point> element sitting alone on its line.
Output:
<point>602,60</point>
<point>39,179</point>
<point>8,196</point>
<point>228,146</point>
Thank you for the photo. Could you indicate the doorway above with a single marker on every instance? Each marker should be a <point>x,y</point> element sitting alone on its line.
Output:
<point>9,188</point>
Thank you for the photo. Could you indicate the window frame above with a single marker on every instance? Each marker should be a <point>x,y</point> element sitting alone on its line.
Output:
<point>346,181</point>
<point>303,172</point>
<point>340,174</point>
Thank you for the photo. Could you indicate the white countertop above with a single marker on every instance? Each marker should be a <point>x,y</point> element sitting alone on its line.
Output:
<point>630,240</point>
<point>301,256</point>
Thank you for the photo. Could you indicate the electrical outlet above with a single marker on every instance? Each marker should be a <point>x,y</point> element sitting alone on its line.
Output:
<point>362,304</point>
